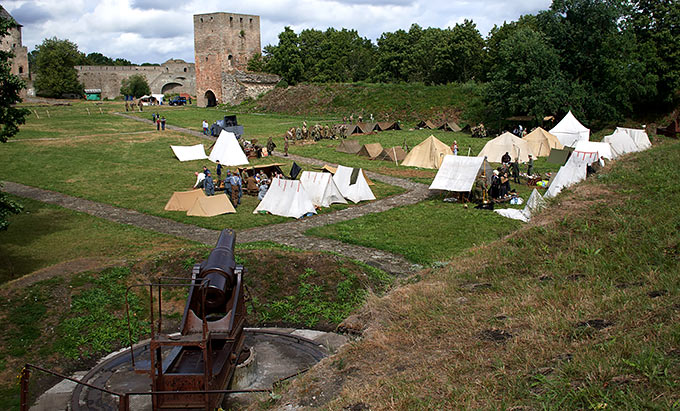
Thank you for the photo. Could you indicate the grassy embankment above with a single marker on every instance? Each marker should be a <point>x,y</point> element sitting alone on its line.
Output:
<point>579,310</point>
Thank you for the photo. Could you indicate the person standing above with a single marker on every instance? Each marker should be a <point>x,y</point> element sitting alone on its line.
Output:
<point>153,117</point>
<point>219,170</point>
<point>530,168</point>
<point>205,127</point>
<point>285,145</point>
<point>158,123</point>
<point>233,182</point>
<point>515,170</point>
<point>454,148</point>
<point>270,146</point>
<point>209,185</point>
<point>163,123</point>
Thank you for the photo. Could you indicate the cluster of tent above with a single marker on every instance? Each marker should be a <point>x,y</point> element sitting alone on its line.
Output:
<point>196,203</point>
<point>428,154</point>
<point>365,128</point>
<point>226,149</point>
<point>298,198</point>
<point>446,125</point>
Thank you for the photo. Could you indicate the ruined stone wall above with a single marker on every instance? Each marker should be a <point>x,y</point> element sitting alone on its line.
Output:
<point>223,43</point>
<point>173,76</point>
<point>12,42</point>
<point>238,86</point>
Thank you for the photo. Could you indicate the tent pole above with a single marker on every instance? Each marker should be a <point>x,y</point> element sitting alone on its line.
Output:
<point>396,163</point>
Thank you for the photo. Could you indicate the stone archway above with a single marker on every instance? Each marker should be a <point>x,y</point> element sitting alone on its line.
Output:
<point>171,88</point>
<point>210,99</point>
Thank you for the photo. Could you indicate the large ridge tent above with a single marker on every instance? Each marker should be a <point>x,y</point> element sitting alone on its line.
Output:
<point>183,200</point>
<point>372,150</point>
<point>450,126</point>
<point>188,153</point>
<point>541,142</point>
<point>603,149</point>
<point>395,154</point>
<point>428,154</point>
<point>534,204</point>
<point>286,198</point>
<point>621,143</point>
<point>352,184</point>
<point>209,206</point>
<point>639,136</point>
<point>506,143</point>
<point>349,147</point>
<point>570,131</point>
<point>458,173</point>
<point>570,173</point>
<point>228,151</point>
<point>321,188</point>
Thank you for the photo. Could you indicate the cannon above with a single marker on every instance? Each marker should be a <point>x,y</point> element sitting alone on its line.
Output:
<point>204,355</point>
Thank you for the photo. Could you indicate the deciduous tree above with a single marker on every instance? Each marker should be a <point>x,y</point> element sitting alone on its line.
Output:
<point>55,63</point>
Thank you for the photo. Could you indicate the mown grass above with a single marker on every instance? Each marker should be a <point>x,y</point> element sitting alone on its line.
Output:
<point>43,235</point>
<point>135,171</point>
<point>424,233</point>
<point>580,310</point>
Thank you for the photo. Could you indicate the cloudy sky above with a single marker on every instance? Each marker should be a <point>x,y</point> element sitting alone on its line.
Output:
<point>156,30</point>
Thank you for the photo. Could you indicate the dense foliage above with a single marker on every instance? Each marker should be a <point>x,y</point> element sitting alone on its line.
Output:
<point>136,86</point>
<point>55,73</point>
<point>604,59</point>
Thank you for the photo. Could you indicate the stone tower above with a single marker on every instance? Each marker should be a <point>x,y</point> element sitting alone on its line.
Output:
<point>12,42</point>
<point>223,44</point>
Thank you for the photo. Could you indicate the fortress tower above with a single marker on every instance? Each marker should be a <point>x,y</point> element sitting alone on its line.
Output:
<point>12,42</point>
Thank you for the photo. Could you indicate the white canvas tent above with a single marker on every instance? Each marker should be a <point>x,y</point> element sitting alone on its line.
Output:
<point>458,173</point>
<point>210,206</point>
<point>621,143</point>
<point>639,136</point>
<point>570,173</point>
<point>428,154</point>
<point>359,191</point>
<point>506,143</point>
<point>603,149</point>
<point>541,142</point>
<point>188,153</point>
<point>570,131</point>
<point>228,150</point>
<point>534,204</point>
<point>321,188</point>
<point>286,198</point>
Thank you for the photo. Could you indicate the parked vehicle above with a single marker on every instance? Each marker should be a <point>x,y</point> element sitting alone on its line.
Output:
<point>178,101</point>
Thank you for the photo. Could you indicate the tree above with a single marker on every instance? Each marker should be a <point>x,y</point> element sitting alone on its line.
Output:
<point>285,59</point>
<point>56,75</point>
<point>10,116</point>
<point>136,86</point>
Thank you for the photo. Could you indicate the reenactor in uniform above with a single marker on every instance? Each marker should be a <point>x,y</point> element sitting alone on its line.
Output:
<point>361,118</point>
<point>298,134</point>
<point>327,131</point>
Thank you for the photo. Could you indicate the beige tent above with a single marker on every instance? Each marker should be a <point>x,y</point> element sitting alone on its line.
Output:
<point>371,150</point>
<point>387,125</point>
<point>183,200</point>
<point>428,154</point>
<point>506,143</point>
<point>427,124</point>
<point>366,127</point>
<point>395,153</point>
<point>211,206</point>
<point>450,126</point>
<point>541,142</point>
<point>352,129</point>
<point>349,147</point>
<point>330,169</point>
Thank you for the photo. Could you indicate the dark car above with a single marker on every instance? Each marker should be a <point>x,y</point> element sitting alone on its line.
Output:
<point>178,101</point>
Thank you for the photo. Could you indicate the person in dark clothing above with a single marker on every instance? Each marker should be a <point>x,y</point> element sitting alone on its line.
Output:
<point>515,170</point>
<point>494,190</point>
<point>219,170</point>
<point>530,169</point>
<point>163,123</point>
<point>505,182</point>
<point>209,185</point>
<point>270,146</point>
<point>158,123</point>
<point>506,158</point>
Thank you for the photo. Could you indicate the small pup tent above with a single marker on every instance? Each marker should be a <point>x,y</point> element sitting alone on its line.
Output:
<point>352,129</point>
<point>450,126</point>
<point>183,200</point>
<point>506,143</point>
<point>352,184</point>
<point>570,131</point>
<point>639,136</point>
<point>349,147</point>
<point>321,188</point>
<point>427,124</point>
<point>541,142</point>
<point>458,173</point>
<point>428,154</point>
<point>387,125</point>
<point>286,198</point>
<point>372,150</point>
<point>210,206</point>
<point>188,153</point>
<point>228,151</point>
<point>394,154</point>
<point>534,204</point>
<point>366,127</point>
<point>621,143</point>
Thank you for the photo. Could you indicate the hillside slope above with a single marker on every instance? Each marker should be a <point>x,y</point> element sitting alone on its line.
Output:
<point>580,309</point>
<point>405,102</point>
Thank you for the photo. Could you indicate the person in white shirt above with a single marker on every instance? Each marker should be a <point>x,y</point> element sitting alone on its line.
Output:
<point>199,180</point>
<point>205,127</point>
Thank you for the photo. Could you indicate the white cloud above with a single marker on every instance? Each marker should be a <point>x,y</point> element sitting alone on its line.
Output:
<point>156,30</point>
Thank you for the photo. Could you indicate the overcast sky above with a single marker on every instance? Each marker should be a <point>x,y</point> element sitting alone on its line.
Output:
<point>156,30</point>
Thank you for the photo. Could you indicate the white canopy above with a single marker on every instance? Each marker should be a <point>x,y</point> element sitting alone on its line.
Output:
<point>570,131</point>
<point>534,204</point>
<point>570,173</point>
<point>359,191</point>
<point>228,150</point>
<point>639,136</point>
<point>457,173</point>
<point>286,198</point>
<point>506,143</point>
<point>188,153</point>
<point>321,188</point>
<point>621,143</point>
<point>603,149</point>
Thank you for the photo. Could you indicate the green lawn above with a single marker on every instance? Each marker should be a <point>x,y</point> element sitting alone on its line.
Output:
<point>424,233</point>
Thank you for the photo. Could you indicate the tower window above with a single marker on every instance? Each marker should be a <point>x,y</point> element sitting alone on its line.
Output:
<point>229,57</point>
<point>185,69</point>
<point>21,69</point>
<point>201,19</point>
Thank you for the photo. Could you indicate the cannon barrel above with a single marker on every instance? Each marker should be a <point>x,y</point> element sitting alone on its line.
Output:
<point>218,269</point>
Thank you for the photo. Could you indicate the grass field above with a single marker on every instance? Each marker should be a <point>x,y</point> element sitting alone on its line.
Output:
<point>579,310</point>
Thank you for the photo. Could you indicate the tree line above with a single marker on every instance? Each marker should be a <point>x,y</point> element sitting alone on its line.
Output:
<point>603,59</point>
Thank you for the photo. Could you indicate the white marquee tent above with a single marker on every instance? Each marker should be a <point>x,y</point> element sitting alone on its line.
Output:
<point>188,153</point>
<point>228,150</point>
<point>321,188</point>
<point>570,131</point>
<point>458,173</point>
<point>359,191</point>
<point>506,142</point>
<point>621,143</point>
<point>286,198</point>
<point>639,136</point>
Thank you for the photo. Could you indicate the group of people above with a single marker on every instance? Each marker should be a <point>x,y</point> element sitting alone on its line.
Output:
<point>316,132</point>
<point>254,150</point>
<point>233,183</point>
<point>360,119</point>
<point>159,121</point>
